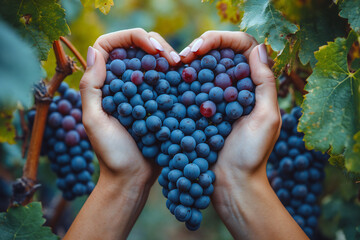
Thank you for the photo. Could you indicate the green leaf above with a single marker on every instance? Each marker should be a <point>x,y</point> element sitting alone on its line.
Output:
<point>7,130</point>
<point>24,222</point>
<point>262,21</point>
<point>103,5</point>
<point>329,119</point>
<point>350,9</point>
<point>316,31</point>
<point>19,69</point>
<point>38,21</point>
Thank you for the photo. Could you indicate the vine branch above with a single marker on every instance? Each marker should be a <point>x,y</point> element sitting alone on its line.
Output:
<point>25,187</point>
<point>74,51</point>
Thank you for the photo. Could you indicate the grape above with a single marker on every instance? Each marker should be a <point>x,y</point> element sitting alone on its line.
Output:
<point>208,62</point>
<point>182,213</point>
<point>118,67</point>
<point>202,202</point>
<point>163,134</point>
<point>206,75</point>
<point>162,159</point>
<point>196,190</point>
<point>207,108</point>
<point>191,171</point>
<point>188,143</point>
<point>118,53</point>
<point>138,112</point>
<point>176,136</point>
<point>151,106</point>
<point>189,74</point>
<point>178,111</point>
<point>224,128</point>
<point>246,98</point>
<point>174,195</point>
<point>227,63</point>
<point>223,81</point>
<point>216,94</point>
<point>193,112</point>
<point>72,138</point>
<point>150,151</point>
<point>195,87</point>
<point>234,110</point>
<point>68,123</point>
<point>129,89</point>
<point>64,107</point>
<point>187,126</point>
<point>153,123</point>
<point>245,84</point>
<point>242,70</point>
<point>139,128</point>
<point>186,200</point>
<point>108,104</point>
<point>202,163</point>
<point>151,77</point>
<point>183,184</point>
<point>180,160</point>
<point>148,62</point>
<point>230,94</point>
<point>205,180</point>
<point>162,65</point>
<point>164,102</point>
<point>55,119</point>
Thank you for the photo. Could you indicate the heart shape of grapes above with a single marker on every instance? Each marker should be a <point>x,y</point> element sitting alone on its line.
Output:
<point>179,117</point>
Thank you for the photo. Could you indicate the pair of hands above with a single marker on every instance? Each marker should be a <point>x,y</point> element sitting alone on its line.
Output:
<point>246,150</point>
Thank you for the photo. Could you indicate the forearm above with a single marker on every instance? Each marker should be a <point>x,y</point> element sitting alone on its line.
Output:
<point>251,210</point>
<point>110,211</point>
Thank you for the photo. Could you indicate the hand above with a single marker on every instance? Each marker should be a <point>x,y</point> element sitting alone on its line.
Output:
<point>242,196</point>
<point>125,175</point>
<point>118,154</point>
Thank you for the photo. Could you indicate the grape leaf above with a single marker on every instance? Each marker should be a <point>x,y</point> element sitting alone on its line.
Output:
<point>24,222</point>
<point>7,130</point>
<point>38,21</point>
<point>103,5</point>
<point>329,119</point>
<point>285,58</point>
<point>262,21</point>
<point>19,69</point>
<point>316,31</point>
<point>352,160</point>
<point>350,9</point>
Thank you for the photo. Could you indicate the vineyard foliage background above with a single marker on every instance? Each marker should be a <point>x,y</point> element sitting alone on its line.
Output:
<point>313,42</point>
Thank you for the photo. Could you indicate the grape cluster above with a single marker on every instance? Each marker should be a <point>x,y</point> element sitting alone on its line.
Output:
<point>66,144</point>
<point>179,117</point>
<point>296,174</point>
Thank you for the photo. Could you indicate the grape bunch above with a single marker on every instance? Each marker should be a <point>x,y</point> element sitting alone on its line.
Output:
<point>66,144</point>
<point>296,174</point>
<point>179,117</point>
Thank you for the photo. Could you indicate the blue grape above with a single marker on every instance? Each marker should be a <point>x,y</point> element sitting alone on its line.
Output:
<point>191,171</point>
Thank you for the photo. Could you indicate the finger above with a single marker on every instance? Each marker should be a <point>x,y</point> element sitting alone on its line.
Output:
<point>169,53</point>
<point>266,105</point>
<point>90,87</point>
<point>238,41</point>
<point>137,37</point>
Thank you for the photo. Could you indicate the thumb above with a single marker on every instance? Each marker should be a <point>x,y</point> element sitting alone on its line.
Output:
<point>266,107</point>
<point>91,84</point>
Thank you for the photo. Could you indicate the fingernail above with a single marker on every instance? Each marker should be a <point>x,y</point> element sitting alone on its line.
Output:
<point>185,52</point>
<point>197,45</point>
<point>156,44</point>
<point>90,58</point>
<point>263,54</point>
<point>175,56</point>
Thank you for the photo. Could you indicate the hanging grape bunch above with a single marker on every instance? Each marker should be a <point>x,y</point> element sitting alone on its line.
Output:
<point>66,144</point>
<point>179,117</point>
<point>296,174</point>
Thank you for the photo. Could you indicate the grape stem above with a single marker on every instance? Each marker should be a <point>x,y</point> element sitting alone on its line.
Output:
<point>44,92</point>
<point>74,51</point>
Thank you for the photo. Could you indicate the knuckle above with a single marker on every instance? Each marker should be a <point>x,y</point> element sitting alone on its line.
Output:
<point>154,34</point>
<point>139,31</point>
